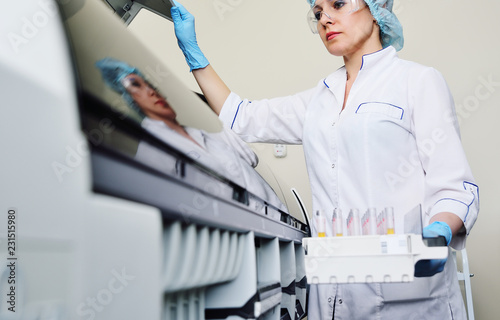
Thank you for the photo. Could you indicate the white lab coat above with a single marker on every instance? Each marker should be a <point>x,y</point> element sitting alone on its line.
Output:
<point>224,152</point>
<point>396,144</point>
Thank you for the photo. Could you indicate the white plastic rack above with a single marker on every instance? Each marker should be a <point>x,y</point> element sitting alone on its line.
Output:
<point>366,259</point>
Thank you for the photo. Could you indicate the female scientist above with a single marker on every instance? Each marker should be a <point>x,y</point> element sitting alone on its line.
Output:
<point>378,132</point>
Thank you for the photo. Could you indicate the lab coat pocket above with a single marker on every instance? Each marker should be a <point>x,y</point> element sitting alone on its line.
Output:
<point>382,108</point>
<point>398,292</point>
<point>420,288</point>
<point>383,125</point>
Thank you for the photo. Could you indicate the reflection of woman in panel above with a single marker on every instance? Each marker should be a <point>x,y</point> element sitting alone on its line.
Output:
<point>223,152</point>
<point>379,132</point>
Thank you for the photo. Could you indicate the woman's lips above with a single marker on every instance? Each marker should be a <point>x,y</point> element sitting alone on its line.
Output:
<point>331,35</point>
<point>162,102</point>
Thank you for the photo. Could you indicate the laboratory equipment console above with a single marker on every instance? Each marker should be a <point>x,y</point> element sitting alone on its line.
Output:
<point>233,256</point>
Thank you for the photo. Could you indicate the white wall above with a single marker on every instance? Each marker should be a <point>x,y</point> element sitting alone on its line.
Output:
<point>264,48</point>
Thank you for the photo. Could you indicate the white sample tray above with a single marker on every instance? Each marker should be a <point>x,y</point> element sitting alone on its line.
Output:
<point>366,259</point>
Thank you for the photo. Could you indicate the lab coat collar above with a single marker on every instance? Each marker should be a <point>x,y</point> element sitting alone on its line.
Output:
<point>197,135</point>
<point>152,124</point>
<point>379,58</point>
<point>335,82</point>
<point>147,122</point>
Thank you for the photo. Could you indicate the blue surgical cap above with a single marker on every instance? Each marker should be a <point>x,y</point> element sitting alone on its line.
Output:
<point>113,71</point>
<point>391,31</point>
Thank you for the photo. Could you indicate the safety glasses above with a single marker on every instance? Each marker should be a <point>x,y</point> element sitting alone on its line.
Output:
<point>136,84</point>
<point>331,10</point>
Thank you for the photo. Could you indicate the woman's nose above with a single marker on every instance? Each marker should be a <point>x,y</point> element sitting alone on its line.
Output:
<point>326,18</point>
<point>150,91</point>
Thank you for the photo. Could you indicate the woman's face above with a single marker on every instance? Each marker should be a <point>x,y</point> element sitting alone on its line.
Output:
<point>151,102</point>
<point>346,34</point>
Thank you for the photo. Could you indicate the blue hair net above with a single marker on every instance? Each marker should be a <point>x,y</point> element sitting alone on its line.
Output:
<point>391,31</point>
<point>113,71</point>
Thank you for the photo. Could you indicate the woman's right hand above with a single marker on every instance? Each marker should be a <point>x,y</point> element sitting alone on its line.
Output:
<point>212,86</point>
<point>186,37</point>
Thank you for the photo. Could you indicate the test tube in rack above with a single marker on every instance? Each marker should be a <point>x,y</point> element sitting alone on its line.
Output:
<point>369,222</point>
<point>356,222</point>
<point>390,219</point>
<point>337,226</point>
<point>372,212</point>
<point>320,223</point>
<point>353,223</point>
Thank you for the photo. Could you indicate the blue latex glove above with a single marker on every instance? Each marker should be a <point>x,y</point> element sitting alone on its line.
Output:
<point>186,37</point>
<point>428,268</point>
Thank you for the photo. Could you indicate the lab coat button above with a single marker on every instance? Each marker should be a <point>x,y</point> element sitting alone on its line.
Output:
<point>340,301</point>
<point>329,299</point>
<point>333,165</point>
